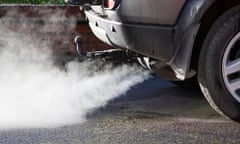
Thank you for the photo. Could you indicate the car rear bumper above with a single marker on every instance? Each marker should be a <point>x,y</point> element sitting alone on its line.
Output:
<point>150,40</point>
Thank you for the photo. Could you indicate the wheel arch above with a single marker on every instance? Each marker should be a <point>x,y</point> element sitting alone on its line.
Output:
<point>209,17</point>
<point>186,30</point>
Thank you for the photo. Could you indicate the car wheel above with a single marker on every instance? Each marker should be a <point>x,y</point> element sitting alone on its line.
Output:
<point>219,65</point>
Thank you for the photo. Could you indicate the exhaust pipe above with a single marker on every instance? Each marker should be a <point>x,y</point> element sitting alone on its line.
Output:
<point>115,55</point>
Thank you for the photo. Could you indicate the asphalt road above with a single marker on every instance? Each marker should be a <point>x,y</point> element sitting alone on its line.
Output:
<point>150,113</point>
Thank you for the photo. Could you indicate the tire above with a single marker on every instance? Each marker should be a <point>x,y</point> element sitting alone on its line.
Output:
<point>218,78</point>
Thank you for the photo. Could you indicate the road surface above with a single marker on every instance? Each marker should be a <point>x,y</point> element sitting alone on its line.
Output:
<point>155,112</point>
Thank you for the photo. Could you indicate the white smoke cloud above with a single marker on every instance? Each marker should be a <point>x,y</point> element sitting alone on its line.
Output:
<point>34,92</point>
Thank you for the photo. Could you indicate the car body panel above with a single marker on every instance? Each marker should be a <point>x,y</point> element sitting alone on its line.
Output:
<point>147,28</point>
<point>164,12</point>
<point>157,41</point>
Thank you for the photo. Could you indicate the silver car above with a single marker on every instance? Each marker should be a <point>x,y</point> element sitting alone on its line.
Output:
<point>189,42</point>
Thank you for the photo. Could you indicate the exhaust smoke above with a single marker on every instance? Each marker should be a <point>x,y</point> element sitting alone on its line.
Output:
<point>35,93</point>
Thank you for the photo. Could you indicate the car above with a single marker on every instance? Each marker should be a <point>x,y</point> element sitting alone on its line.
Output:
<point>192,42</point>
